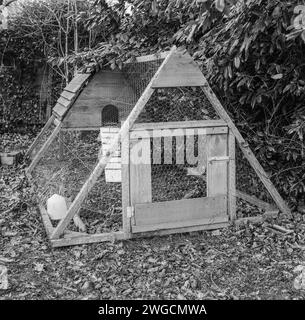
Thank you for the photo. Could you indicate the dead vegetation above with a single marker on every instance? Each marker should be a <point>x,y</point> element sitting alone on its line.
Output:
<point>245,262</point>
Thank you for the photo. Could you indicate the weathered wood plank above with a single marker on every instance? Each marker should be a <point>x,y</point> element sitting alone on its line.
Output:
<point>59,110</point>
<point>217,170</point>
<point>105,159</point>
<point>148,58</point>
<point>77,83</point>
<point>86,239</point>
<point>159,133</point>
<point>68,95</point>
<point>46,220</point>
<point>232,177</point>
<point>65,102</point>
<point>179,224</point>
<point>203,227</point>
<point>246,149</point>
<point>140,173</point>
<point>186,211</point>
<point>179,71</point>
<point>125,184</point>
<point>179,125</point>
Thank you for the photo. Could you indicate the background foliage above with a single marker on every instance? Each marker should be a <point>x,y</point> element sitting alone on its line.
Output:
<point>247,49</point>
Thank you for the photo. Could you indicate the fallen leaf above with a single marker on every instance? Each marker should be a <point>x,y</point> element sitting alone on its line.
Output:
<point>38,267</point>
<point>3,278</point>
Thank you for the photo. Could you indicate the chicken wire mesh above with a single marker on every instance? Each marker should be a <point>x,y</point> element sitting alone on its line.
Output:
<point>178,169</point>
<point>64,168</point>
<point>178,163</point>
<point>247,181</point>
<point>177,104</point>
<point>178,159</point>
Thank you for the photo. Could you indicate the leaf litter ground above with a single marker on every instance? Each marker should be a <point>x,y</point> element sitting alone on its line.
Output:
<point>246,262</point>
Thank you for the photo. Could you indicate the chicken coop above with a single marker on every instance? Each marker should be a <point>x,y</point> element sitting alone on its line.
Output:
<point>144,150</point>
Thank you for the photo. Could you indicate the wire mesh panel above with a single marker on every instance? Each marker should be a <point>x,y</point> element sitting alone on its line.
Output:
<point>177,104</point>
<point>64,168</point>
<point>179,168</point>
<point>139,74</point>
<point>247,182</point>
<point>46,133</point>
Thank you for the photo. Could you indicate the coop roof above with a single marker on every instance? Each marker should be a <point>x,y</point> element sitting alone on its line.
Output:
<point>72,91</point>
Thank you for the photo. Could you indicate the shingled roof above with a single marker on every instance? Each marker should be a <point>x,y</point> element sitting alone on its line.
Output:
<point>70,94</point>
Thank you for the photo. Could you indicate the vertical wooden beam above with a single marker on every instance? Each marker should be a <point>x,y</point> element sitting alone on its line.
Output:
<point>106,158</point>
<point>44,148</point>
<point>217,166</point>
<point>125,185</point>
<point>232,177</point>
<point>140,173</point>
<point>246,149</point>
<point>41,133</point>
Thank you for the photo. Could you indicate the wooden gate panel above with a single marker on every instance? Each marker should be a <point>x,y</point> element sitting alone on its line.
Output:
<point>180,213</point>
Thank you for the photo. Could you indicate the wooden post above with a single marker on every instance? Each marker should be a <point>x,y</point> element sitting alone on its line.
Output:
<point>125,186</point>
<point>217,165</point>
<point>232,177</point>
<point>106,158</point>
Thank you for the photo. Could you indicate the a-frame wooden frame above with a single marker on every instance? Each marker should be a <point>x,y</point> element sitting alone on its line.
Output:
<point>177,69</point>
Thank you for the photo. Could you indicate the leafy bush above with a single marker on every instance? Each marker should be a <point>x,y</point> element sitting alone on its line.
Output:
<point>260,75</point>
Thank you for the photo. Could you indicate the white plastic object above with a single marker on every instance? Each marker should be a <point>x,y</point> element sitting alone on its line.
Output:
<point>57,207</point>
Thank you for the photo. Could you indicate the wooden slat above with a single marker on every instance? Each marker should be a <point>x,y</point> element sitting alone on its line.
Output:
<point>85,239</point>
<point>186,211</point>
<point>217,171</point>
<point>39,136</point>
<point>140,174</point>
<point>88,185</point>
<point>179,125</point>
<point>148,58</point>
<point>232,177</point>
<point>59,110</point>
<point>212,226</point>
<point>80,129</point>
<point>63,101</point>
<point>254,200</point>
<point>49,227</point>
<point>179,224</point>
<point>125,184</point>
<point>77,83</point>
<point>68,95</point>
<point>157,133</point>
<point>44,148</point>
<point>246,149</point>
<point>179,71</point>
<point>46,220</point>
